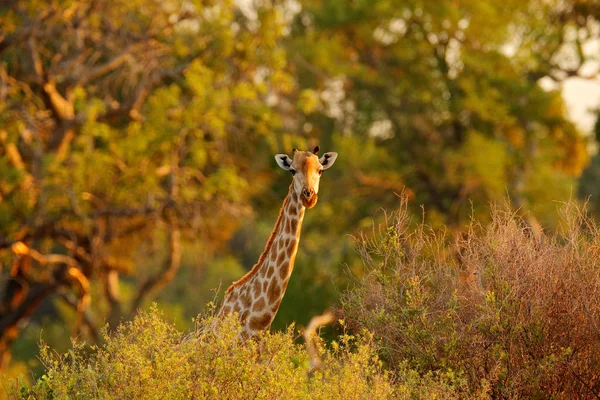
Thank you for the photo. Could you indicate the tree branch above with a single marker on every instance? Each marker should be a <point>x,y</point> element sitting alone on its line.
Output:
<point>110,65</point>
<point>12,321</point>
<point>173,262</point>
<point>86,319</point>
<point>21,249</point>
<point>22,34</point>
<point>310,335</point>
<point>15,313</point>
<point>35,58</point>
<point>62,107</point>
<point>110,282</point>
<point>50,229</point>
<point>131,109</point>
<point>170,267</point>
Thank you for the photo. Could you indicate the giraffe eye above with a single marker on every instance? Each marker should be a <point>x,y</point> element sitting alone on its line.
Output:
<point>320,172</point>
<point>293,172</point>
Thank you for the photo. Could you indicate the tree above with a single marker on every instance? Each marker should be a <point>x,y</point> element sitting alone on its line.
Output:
<point>121,123</point>
<point>449,92</point>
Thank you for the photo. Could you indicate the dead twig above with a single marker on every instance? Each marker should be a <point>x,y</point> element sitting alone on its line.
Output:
<point>310,335</point>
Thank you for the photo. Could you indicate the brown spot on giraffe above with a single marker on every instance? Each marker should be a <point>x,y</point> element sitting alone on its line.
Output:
<point>246,300</point>
<point>245,335</point>
<point>270,271</point>
<point>256,289</point>
<point>248,294</point>
<point>273,291</point>
<point>281,258</point>
<point>294,225</point>
<point>261,322</point>
<point>288,228</point>
<point>259,305</point>
<point>283,271</point>
<point>290,252</point>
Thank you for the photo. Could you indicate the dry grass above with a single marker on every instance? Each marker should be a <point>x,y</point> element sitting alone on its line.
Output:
<point>514,312</point>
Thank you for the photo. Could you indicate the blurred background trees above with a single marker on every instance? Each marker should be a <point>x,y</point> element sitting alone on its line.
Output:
<point>136,140</point>
<point>121,129</point>
<point>450,90</point>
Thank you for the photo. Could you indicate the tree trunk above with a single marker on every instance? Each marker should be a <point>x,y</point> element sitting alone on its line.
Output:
<point>14,319</point>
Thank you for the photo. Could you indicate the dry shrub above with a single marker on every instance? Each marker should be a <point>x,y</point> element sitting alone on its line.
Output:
<point>514,313</point>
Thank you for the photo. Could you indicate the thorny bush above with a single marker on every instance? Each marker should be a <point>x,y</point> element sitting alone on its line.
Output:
<point>513,311</point>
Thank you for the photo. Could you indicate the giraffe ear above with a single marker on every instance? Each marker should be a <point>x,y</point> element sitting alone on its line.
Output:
<point>328,159</point>
<point>283,161</point>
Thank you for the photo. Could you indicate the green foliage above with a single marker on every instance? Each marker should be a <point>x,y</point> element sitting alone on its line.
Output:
<point>137,118</point>
<point>450,91</point>
<point>194,286</point>
<point>123,123</point>
<point>149,358</point>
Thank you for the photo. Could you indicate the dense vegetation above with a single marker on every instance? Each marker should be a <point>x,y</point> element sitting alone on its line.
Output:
<point>136,143</point>
<point>501,313</point>
<point>514,313</point>
<point>148,358</point>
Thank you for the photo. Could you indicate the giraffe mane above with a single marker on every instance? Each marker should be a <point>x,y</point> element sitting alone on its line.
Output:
<point>265,252</point>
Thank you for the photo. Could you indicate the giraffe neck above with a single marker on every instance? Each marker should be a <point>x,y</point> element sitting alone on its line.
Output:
<point>258,294</point>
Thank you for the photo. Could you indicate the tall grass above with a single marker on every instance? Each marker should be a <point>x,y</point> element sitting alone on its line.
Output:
<point>513,312</point>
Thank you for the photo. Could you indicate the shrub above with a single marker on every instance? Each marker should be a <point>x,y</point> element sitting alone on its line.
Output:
<point>149,359</point>
<point>514,312</point>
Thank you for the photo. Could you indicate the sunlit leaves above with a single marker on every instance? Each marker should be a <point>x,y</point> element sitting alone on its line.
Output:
<point>308,101</point>
<point>120,118</point>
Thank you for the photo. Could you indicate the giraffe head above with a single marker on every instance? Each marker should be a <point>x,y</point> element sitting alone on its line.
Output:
<point>306,169</point>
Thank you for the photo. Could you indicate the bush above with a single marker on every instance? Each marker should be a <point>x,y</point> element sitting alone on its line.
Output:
<point>514,312</point>
<point>149,359</point>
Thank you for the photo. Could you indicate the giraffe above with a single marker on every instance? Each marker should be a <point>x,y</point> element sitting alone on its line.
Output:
<point>257,295</point>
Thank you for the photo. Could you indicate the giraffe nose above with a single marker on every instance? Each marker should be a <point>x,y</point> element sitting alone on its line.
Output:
<point>308,193</point>
<point>309,197</point>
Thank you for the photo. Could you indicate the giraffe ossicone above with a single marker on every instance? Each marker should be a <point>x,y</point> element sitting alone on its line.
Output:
<point>257,295</point>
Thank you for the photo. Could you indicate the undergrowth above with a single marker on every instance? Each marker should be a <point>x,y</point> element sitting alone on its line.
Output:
<point>501,311</point>
<point>510,309</point>
<point>149,358</point>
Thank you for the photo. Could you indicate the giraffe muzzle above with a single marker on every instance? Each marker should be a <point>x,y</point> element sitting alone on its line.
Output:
<point>309,198</point>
